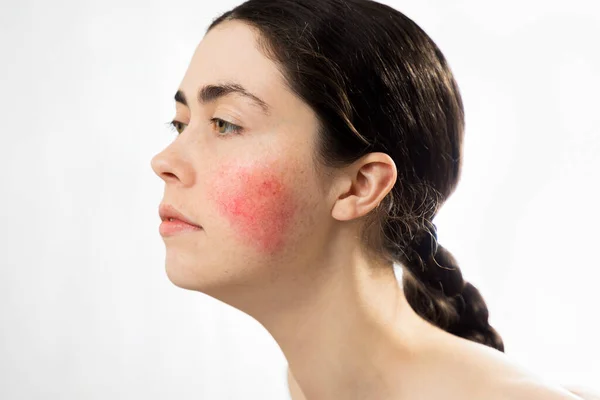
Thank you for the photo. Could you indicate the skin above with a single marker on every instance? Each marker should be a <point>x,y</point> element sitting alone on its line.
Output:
<point>279,242</point>
<point>257,204</point>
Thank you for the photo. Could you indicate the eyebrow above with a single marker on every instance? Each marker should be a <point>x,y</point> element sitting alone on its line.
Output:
<point>211,93</point>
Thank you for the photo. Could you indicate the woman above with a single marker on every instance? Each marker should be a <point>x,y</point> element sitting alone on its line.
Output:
<point>317,141</point>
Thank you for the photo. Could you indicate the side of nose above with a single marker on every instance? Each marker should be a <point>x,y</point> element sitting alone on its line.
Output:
<point>173,167</point>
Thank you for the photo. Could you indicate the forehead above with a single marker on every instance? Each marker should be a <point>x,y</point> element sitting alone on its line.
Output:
<point>229,52</point>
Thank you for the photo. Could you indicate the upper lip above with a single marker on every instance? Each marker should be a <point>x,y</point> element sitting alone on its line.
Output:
<point>167,211</point>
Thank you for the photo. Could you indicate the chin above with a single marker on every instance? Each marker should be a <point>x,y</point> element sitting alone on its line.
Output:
<point>199,275</point>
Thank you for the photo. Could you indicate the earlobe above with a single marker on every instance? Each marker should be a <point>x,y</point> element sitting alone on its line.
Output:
<point>345,209</point>
<point>370,181</point>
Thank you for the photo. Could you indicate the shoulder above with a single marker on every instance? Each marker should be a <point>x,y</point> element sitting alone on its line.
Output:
<point>498,377</point>
<point>539,390</point>
<point>534,389</point>
<point>583,393</point>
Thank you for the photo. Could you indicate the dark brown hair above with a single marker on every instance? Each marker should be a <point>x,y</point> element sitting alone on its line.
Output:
<point>378,83</point>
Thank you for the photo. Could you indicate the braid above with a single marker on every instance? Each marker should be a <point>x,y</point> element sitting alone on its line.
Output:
<point>435,288</point>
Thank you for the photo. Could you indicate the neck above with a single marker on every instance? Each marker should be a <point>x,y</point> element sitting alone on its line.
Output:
<point>347,333</point>
<point>357,343</point>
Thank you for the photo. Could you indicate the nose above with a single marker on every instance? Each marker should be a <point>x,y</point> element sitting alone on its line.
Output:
<point>172,167</point>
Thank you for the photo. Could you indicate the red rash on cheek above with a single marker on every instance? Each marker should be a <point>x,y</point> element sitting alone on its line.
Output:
<point>256,203</point>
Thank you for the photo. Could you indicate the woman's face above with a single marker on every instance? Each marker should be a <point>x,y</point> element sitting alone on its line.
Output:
<point>255,193</point>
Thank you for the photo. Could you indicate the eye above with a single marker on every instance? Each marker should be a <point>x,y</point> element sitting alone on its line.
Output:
<point>227,126</point>
<point>174,126</point>
<point>222,126</point>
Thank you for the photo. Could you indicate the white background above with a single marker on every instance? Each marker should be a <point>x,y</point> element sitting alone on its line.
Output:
<point>86,309</point>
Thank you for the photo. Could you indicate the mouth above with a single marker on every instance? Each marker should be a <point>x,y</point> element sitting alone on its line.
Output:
<point>171,215</point>
<point>173,226</point>
<point>180,221</point>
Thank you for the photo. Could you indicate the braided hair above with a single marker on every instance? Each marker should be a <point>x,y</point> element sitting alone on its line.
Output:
<point>435,288</point>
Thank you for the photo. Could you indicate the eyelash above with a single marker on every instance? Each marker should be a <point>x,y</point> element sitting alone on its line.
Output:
<point>235,129</point>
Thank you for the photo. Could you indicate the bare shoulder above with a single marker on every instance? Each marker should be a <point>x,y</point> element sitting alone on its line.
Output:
<point>498,377</point>
<point>519,384</point>
<point>584,393</point>
<point>535,389</point>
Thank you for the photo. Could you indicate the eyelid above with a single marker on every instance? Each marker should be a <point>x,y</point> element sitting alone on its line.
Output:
<point>172,125</point>
<point>235,128</point>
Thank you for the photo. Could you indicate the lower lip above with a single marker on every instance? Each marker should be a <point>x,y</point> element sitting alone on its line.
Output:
<point>170,228</point>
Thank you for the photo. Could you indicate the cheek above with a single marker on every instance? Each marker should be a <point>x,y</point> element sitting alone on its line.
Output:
<point>258,206</point>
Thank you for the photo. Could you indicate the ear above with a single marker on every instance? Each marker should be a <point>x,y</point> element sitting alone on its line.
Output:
<point>365,184</point>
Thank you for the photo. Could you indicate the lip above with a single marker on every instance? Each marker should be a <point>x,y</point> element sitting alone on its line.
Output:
<point>167,211</point>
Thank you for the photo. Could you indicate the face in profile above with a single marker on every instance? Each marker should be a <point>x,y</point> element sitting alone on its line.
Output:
<point>242,168</point>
